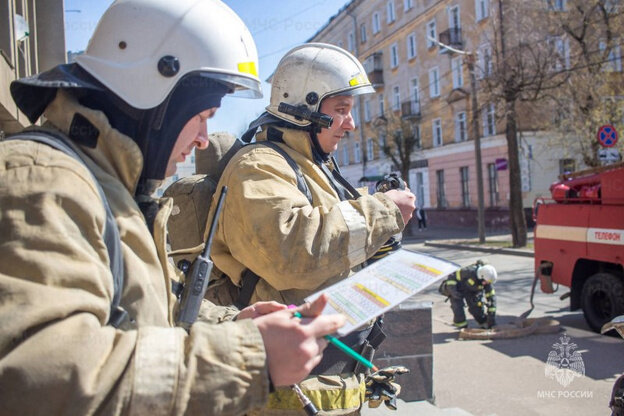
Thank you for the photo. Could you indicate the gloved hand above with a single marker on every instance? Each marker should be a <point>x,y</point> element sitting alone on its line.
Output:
<point>380,386</point>
<point>491,320</point>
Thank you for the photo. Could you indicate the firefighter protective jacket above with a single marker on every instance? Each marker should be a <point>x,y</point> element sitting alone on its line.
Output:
<point>296,247</point>
<point>465,283</point>
<point>57,355</point>
<point>269,226</point>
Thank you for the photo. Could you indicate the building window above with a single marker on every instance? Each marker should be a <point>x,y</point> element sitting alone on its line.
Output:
<point>493,182</point>
<point>454,17</point>
<point>382,139</point>
<point>376,27</point>
<point>482,9</point>
<point>566,166</point>
<point>345,155</point>
<point>614,60</point>
<point>357,157</point>
<point>489,120</point>
<point>458,72</point>
<point>461,134</point>
<point>434,82</point>
<point>417,137</point>
<point>611,6</point>
<point>380,101</point>
<point>411,46</point>
<point>363,33</point>
<point>390,9</point>
<point>560,52</point>
<point>431,33</point>
<point>408,4</point>
<point>396,98</point>
<point>556,5</point>
<point>415,96</point>
<point>437,132</point>
<point>367,112</point>
<point>355,113</point>
<point>485,62</point>
<point>369,149</point>
<point>394,56</point>
<point>420,189</point>
<point>441,196</point>
<point>465,190</point>
<point>351,42</point>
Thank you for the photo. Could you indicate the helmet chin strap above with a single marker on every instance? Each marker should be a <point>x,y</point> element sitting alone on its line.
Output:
<point>319,154</point>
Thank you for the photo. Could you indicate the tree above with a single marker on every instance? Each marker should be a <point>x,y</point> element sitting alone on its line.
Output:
<point>524,70</point>
<point>590,97</point>
<point>397,139</point>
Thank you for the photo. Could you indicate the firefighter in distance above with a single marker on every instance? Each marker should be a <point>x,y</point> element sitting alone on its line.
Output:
<point>471,284</point>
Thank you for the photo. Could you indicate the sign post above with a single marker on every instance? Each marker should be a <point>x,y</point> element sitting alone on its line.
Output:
<point>607,138</point>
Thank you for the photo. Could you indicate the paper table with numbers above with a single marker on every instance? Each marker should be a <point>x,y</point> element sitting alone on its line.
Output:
<point>383,285</point>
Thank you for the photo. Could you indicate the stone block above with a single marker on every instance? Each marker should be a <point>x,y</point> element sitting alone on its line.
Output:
<point>409,343</point>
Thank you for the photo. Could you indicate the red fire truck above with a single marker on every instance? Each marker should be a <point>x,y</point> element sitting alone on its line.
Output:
<point>579,241</point>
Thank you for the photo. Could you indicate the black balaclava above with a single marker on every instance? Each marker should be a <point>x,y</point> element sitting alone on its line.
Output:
<point>154,130</point>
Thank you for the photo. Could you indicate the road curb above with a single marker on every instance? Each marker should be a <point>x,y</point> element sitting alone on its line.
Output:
<point>507,251</point>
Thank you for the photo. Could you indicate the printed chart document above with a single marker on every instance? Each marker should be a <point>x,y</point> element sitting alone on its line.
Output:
<point>383,285</point>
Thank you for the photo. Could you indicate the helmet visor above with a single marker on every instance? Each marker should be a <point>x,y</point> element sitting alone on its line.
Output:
<point>240,86</point>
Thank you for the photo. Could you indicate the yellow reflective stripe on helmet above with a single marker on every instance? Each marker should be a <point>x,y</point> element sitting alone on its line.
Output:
<point>358,80</point>
<point>322,399</point>
<point>248,68</point>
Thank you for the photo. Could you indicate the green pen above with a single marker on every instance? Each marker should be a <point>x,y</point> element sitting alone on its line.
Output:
<point>345,348</point>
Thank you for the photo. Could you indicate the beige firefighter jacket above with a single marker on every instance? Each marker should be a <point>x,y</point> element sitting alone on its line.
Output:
<point>270,227</point>
<point>57,355</point>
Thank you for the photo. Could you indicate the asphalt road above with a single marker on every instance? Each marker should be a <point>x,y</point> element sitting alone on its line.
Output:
<point>508,377</point>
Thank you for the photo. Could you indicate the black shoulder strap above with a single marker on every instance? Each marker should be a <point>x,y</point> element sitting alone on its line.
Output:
<point>111,232</point>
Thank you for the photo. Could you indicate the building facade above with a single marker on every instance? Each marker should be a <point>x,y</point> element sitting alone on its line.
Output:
<point>428,89</point>
<point>31,40</point>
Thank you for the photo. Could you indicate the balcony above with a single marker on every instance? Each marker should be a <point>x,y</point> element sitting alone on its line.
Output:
<point>373,65</point>
<point>410,110</point>
<point>451,37</point>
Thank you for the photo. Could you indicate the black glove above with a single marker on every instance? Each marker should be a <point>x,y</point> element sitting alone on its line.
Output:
<point>380,386</point>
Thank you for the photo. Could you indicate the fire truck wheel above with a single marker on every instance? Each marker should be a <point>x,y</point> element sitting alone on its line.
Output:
<point>602,299</point>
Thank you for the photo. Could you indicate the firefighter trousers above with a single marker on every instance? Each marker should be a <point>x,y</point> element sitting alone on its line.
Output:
<point>475,307</point>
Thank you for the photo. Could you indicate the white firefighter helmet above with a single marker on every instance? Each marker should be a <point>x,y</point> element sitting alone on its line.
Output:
<point>487,272</point>
<point>141,48</point>
<point>311,72</point>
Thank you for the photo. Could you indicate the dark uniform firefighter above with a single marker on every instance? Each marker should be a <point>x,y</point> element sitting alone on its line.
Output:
<point>472,283</point>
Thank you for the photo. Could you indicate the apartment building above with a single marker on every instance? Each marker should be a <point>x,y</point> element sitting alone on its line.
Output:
<point>428,88</point>
<point>31,40</point>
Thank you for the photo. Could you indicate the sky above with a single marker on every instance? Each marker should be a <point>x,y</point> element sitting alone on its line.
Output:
<point>276,25</point>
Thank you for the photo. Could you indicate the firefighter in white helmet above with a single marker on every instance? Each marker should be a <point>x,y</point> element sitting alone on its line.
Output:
<point>471,284</point>
<point>292,224</point>
<point>87,305</point>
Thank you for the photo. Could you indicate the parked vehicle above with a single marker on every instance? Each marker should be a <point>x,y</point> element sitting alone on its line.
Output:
<point>579,241</point>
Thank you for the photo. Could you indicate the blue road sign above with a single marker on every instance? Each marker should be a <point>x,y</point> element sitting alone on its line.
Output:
<point>607,136</point>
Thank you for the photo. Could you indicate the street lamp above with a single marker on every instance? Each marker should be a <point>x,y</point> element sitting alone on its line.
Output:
<point>475,131</point>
